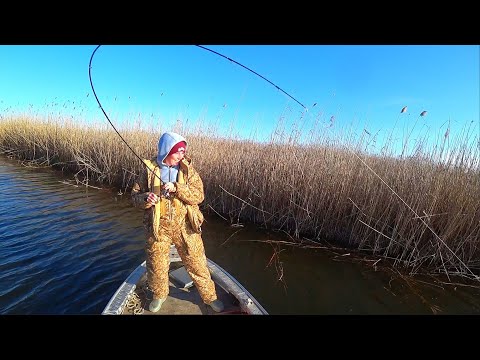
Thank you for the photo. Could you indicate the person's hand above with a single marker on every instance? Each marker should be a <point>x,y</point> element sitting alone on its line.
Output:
<point>152,198</point>
<point>170,187</point>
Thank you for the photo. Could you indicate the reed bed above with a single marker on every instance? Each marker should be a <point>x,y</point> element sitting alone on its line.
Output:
<point>421,210</point>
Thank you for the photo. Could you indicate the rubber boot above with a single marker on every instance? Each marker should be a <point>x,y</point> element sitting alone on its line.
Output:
<point>155,305</point>
<point>216,305</point>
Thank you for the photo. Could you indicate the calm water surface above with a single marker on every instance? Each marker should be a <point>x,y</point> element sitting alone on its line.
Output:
<point>65,250</point>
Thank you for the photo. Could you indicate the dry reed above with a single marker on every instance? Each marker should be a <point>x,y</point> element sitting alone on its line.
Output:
<point>421,210</point>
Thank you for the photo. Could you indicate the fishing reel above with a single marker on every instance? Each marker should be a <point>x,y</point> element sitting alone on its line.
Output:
<point>165,193</point>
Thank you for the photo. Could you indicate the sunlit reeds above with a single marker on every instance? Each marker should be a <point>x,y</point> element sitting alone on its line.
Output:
<point>420,209</point>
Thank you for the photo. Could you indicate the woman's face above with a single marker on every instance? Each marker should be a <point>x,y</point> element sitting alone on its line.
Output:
<point>175,158</point>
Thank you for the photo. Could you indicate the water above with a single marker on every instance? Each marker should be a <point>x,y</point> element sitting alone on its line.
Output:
<point>63,249</point>
<point>66,249</point>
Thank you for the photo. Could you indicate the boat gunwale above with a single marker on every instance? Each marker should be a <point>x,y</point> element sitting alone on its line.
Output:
<point>231,285</point>
<point>119,299</point>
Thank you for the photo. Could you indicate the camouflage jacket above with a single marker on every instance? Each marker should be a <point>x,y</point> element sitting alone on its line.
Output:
<point>171,212</point>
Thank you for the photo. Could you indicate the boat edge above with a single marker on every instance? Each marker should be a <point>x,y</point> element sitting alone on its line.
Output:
<point>119,299</point>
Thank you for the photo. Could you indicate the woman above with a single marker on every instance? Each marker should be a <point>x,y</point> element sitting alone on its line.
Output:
<point>168,184</point>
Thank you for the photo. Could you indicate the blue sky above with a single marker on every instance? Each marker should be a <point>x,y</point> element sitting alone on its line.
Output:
<point>154,86</point>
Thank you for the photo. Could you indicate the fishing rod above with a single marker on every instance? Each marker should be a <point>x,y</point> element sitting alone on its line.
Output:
<point>356,155</point>
<point>101,107</point>
<point>155,190</point>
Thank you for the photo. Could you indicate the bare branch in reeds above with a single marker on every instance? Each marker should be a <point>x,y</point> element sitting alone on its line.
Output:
<point>243,201</point>
<point>210,206</point>
<point>230,237</point>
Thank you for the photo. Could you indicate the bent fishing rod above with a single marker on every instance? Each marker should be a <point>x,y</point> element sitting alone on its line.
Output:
<point>202,47</point>
<point>277,87</point>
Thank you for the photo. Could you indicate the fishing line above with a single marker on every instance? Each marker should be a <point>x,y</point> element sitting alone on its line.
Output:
<point>356,155</point>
